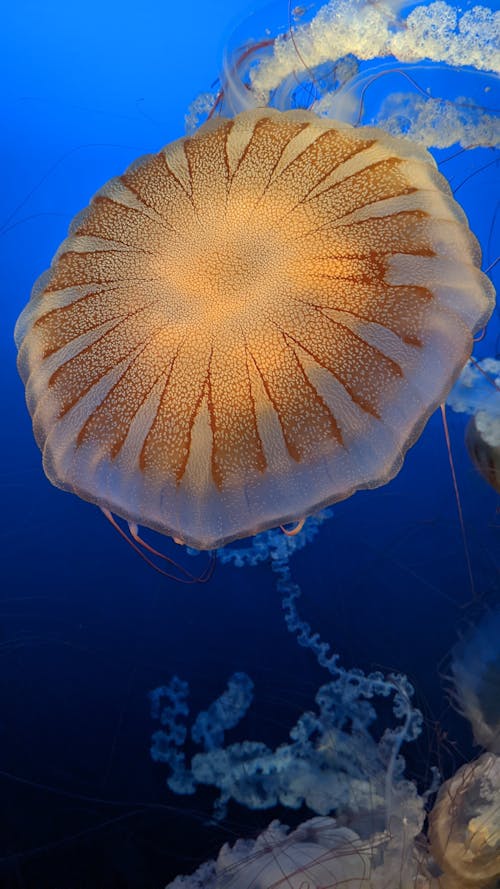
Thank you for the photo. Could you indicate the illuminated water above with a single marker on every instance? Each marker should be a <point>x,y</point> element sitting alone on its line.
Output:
<point>86,629</point>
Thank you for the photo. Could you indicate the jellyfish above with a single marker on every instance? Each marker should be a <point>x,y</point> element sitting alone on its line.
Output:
<point>475,670</point>
<point>477,389</point>
<point>464,826</point>
<point>464,833</point>
<point>369,825</point>
<point>367,830</point>
<point>320,852</point>
<point>482,438</point>
<point>404,67</point>
<point>477,392</point>
<point>464,823</point>
<point>252,324</point>
<point>368,814</point>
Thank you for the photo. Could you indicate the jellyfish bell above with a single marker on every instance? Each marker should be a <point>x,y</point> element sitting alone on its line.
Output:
<point>464,826</point>
<point>463,852</point>
<point>317,853</point>
<point>250,325</point>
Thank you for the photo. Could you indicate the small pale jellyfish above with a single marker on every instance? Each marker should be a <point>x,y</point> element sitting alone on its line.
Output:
<point>475,669</point>
<point>477,392</point>
<point>318,853</point>
<point>482,438</point>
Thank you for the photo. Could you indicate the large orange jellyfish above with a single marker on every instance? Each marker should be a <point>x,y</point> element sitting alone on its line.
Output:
<point>251,324</point>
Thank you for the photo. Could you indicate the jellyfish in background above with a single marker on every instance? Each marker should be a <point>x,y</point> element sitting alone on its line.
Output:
<point>401,66</point>
<point>259,320</point>
<point>371,831</point>
<point>332,764</point>
<point>477,392</point>
<point>464,824</point>
<point>464,837</point>
<point>318,853</point>
<point>482,438</point>
<point>475,671</point>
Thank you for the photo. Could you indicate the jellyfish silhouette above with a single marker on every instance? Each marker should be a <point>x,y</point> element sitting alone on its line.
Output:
<point>482,438</point>
<point>475,671</point>
<point>249,325</point>
<point>477,392</point>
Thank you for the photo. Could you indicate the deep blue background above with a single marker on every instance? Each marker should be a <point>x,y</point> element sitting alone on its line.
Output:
<point>86,629</point>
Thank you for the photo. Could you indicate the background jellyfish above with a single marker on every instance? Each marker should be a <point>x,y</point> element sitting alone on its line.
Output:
<point>482,438</point>
<point>477,393</point>
<point>464,843</point>
<point>334,766</point>
<point>84,631</point>
<point>464,826</point>
<point>319,850</point>
<point>475,670</point>
<point>332,56</point>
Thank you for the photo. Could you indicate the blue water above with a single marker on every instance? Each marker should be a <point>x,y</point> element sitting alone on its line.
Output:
<point>86,628</point>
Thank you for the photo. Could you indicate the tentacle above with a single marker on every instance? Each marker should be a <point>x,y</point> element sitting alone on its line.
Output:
<point>138,545</point>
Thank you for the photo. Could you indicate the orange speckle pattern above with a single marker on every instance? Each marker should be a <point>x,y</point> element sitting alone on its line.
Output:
<point>240,328</point>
